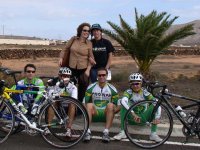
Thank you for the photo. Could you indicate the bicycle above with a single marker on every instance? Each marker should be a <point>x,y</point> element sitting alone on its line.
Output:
<point>138,134</point>
<point>53,132</point>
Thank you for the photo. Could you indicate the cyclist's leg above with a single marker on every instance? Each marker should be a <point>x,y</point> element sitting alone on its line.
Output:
<point>146,116</point>
<point>91,111</point>
<point>71,114</point>
<point>110,113</point>
<point>122,116</point>
<point>51,113</point>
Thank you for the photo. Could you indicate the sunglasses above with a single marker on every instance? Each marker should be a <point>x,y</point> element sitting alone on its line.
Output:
<point>135,83</point>
<point>30,71</point>
<point>101,75</point>
<point>86,30</point>
<point>65,75</point>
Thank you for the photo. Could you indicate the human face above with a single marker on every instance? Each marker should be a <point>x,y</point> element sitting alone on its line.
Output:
<point>85,32</point>
<point>136,85</point>
<point>97,34</point>
<point>101,75</point>
<point>65,78</point>
<point>30,73</point>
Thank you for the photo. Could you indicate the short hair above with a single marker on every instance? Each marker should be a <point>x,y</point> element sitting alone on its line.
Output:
<point>29,65</point>
<point>102,68</point>
<point>80,28</point>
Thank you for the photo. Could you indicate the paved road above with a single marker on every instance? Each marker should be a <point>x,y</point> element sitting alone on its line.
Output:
<point>22,141</point>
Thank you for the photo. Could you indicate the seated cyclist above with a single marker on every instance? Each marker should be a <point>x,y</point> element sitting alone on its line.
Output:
<point>65,88</point>
<point>132,95</point>
<point>30,82</point>
<point>101,101</point>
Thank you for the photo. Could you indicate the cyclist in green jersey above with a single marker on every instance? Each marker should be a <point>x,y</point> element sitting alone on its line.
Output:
<point>29,80</point>
<point>101,101</point>
<point>132,95</point>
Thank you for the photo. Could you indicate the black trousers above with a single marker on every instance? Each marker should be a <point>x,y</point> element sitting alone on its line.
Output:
<point>83,82</point>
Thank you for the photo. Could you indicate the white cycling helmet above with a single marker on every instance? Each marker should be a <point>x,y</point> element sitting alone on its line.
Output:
<point>135,77</point>
<point>65,70</point>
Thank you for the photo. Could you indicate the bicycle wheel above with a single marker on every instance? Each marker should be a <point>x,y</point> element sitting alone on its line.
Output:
<point>56,127</point>
<point>139,133</point>
<point>7,120</point>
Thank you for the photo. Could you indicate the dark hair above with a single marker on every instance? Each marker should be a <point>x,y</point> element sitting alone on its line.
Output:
<point>80,28</point>
<point>102,68</point>
<point>29,65</point>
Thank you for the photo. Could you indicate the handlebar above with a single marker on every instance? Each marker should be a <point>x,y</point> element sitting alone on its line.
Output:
<point>151,86</point>
<point>9,72</point>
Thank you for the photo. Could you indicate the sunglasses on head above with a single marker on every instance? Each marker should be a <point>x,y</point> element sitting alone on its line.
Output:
<point>86,30</point>
<point>101,75</point>
<point>30,71</point>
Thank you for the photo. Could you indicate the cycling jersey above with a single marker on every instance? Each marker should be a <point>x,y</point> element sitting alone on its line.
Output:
<point>100,97</point>
<point>143,111</point>
<point>130,97</point>
<point>69,90</point>
<point>29,97</point>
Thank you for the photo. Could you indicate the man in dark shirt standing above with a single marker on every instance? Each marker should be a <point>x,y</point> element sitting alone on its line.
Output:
<point>102,50</point>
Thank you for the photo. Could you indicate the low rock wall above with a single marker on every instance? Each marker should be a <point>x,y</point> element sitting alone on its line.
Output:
<point>31,53</point>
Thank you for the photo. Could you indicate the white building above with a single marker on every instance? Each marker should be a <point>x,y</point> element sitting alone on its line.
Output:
<point>23,40</point>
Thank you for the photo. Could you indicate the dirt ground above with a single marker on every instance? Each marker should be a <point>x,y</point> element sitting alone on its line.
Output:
<point>180,73</point>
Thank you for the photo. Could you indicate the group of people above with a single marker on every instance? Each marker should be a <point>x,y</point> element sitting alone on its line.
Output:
<point>89,62</point>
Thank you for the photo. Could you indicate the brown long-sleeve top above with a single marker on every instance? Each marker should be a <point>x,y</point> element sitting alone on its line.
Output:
<point>79,53</point>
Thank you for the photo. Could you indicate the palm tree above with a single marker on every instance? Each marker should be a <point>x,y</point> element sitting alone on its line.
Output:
<point>149,38</point>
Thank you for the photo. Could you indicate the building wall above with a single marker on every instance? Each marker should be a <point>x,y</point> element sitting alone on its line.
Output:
<point>24,42</point>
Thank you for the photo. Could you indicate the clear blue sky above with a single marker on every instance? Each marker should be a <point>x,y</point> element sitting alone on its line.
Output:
<point>58,19</point>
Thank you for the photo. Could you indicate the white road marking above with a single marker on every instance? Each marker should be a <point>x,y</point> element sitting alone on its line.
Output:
<point>167,142</point>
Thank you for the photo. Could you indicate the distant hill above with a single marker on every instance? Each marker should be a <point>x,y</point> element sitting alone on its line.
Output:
<point>190,40</point>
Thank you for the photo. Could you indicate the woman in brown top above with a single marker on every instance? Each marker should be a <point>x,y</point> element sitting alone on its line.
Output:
<point>81,57</point>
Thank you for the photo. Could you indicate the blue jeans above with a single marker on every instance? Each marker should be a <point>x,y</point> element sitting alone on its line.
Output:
<point>93,75</point>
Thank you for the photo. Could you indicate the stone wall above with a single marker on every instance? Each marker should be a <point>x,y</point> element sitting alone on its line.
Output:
<point>31,53</point>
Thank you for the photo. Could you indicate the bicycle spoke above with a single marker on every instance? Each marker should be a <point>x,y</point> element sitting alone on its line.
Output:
<point>6,121</point>
<point>144,134</point>
<point>56,127</point>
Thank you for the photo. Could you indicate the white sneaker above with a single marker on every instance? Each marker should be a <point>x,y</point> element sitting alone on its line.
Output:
<point>68,133</point>
<point>120,135</point>
<point>155,137</point>
<point>47,131</point>
<point>87,137</point>
<point>34,109</point>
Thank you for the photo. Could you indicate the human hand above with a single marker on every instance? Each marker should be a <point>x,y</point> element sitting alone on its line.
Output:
<point>156,121</point>
<point>92,61</point>
<point>136,117</point>
<point>87,72</point>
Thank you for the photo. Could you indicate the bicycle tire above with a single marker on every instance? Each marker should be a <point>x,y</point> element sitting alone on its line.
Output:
<point>7,120</point>
<point>57,137</point>
<point>139,134</point>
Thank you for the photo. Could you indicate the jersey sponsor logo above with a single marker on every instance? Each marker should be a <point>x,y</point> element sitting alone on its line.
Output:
<point>96,94</point>
<point>101,103</point>
<point>99,49</point>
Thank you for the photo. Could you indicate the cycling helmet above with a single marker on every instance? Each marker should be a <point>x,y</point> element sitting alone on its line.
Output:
<point>65,70</point>
<point>135,77</point>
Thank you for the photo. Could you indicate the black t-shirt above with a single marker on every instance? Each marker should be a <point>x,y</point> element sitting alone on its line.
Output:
<point>101,50</point>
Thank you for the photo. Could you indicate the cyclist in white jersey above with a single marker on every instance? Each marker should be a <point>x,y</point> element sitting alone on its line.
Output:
<point>64,87</point>
<point>132,95</point>
<point>101,101</point>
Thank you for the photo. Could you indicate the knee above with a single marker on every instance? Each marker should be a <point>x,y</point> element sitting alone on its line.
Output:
<point>89,106</point>
<point>110,107</point>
